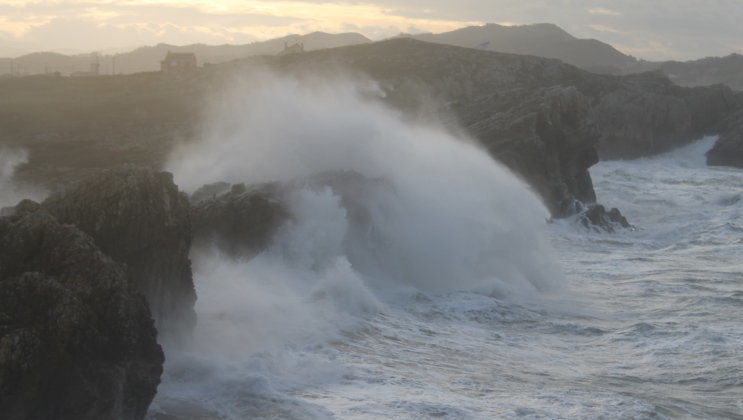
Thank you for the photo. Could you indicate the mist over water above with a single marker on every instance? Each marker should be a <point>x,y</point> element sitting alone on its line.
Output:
<point>452,218</point>
<point>412,279</point>
<point>440,215</point>
<point>10,190</point>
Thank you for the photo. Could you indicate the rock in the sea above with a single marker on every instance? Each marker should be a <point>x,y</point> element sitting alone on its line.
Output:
<point>140,218</point>
<point>596,217</point>
<point>239,222</point>
<point>76,341</point>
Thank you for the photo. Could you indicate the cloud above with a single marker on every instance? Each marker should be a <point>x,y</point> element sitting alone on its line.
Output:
<point>605,28</point>
<point>103,25</point>
<point>686,28</point>
<point>601,11</point>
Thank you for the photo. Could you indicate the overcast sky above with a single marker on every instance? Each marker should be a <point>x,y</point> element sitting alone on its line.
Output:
<point>649,29</point>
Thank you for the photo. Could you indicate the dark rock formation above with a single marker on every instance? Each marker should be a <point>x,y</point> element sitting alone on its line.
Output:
<point>243,221</point>
<point>646,114</point>
<point>547,139</point>
<point>76,342</point>
<point>728,150</point>
<point>138,217</point>
<point>596,217</point>
<point>240,222</point>
<point>210,191</point>
<point>540,116</point>
<point>548,121</point>
<point>706,71</point>
<point>524,110</point>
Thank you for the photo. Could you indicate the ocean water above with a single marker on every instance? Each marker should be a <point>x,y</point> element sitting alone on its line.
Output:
<point>453,297</point>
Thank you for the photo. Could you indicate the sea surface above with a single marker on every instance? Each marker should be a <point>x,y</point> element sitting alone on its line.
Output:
<point>426,281</point>
<point>641,323</point>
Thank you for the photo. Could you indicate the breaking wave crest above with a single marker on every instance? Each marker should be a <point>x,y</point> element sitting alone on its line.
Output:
<point>435,213</point>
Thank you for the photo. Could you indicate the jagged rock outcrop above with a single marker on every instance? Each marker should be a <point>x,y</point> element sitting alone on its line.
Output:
<point>646,114</point>
<point>596,217</point>
<point>76,341</point>
<point>706,71</point>
<point>546,138</point>
<point>525,110</point>
<point>728,150</point>
<point>239,222</point>
<point>548,121</point>
<point>138,217</point>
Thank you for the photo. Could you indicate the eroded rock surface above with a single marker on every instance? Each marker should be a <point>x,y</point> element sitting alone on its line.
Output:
<point>728,150</point>
<point>646,114</point>
<point>140,218</point>
<point>237,220</point>
<point>76,341</point>
<point>547,139</point>
<point>596,217</point>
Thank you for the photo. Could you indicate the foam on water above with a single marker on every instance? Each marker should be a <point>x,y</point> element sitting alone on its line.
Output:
<point>415,313</point>
<point>649,329</point>
<point>10,190</point>
<point>453,219</point>
<point>444,217</point>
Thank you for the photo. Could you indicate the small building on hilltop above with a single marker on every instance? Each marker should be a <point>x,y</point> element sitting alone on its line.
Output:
<point>292,49</point>
<point>178,62</point>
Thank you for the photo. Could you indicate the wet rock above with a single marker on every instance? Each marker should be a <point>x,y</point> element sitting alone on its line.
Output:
<point>210,191</point>
<point>728,150</point>
<point>240,222</point>
<point>76,341</point>
<point>596,217</point>
<point>138,217</point>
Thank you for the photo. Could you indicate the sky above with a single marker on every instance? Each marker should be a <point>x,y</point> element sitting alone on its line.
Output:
<point>647,29</point>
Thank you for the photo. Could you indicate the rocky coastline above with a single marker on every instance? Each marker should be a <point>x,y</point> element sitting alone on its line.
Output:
<point>96,277</point>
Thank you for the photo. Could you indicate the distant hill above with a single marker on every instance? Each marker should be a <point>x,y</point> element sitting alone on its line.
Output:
<point>551,41</point>
<point>45,62</point>
<point>706,71</point>
<point>546,120</point>
<point>148,58</point>
<point>543,40</point>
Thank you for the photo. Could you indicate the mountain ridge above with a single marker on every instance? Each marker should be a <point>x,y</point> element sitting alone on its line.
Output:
<point>147,58</point>
<point>541,39</point>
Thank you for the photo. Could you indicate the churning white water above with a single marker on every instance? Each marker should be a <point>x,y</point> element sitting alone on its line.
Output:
<point>11,192</point>
<point>449,303</point>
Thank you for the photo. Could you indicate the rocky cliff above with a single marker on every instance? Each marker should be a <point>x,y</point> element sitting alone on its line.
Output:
<point>548,121</point>
<point>76,342</point>
<point>138,217</point>
<point>237,220</point>
<point>728,150</point>
<point>540,116</point>
<point>646,114</point>
<point>547,139</point>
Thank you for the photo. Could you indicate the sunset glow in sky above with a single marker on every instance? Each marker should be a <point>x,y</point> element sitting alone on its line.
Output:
<point>657,29</point>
